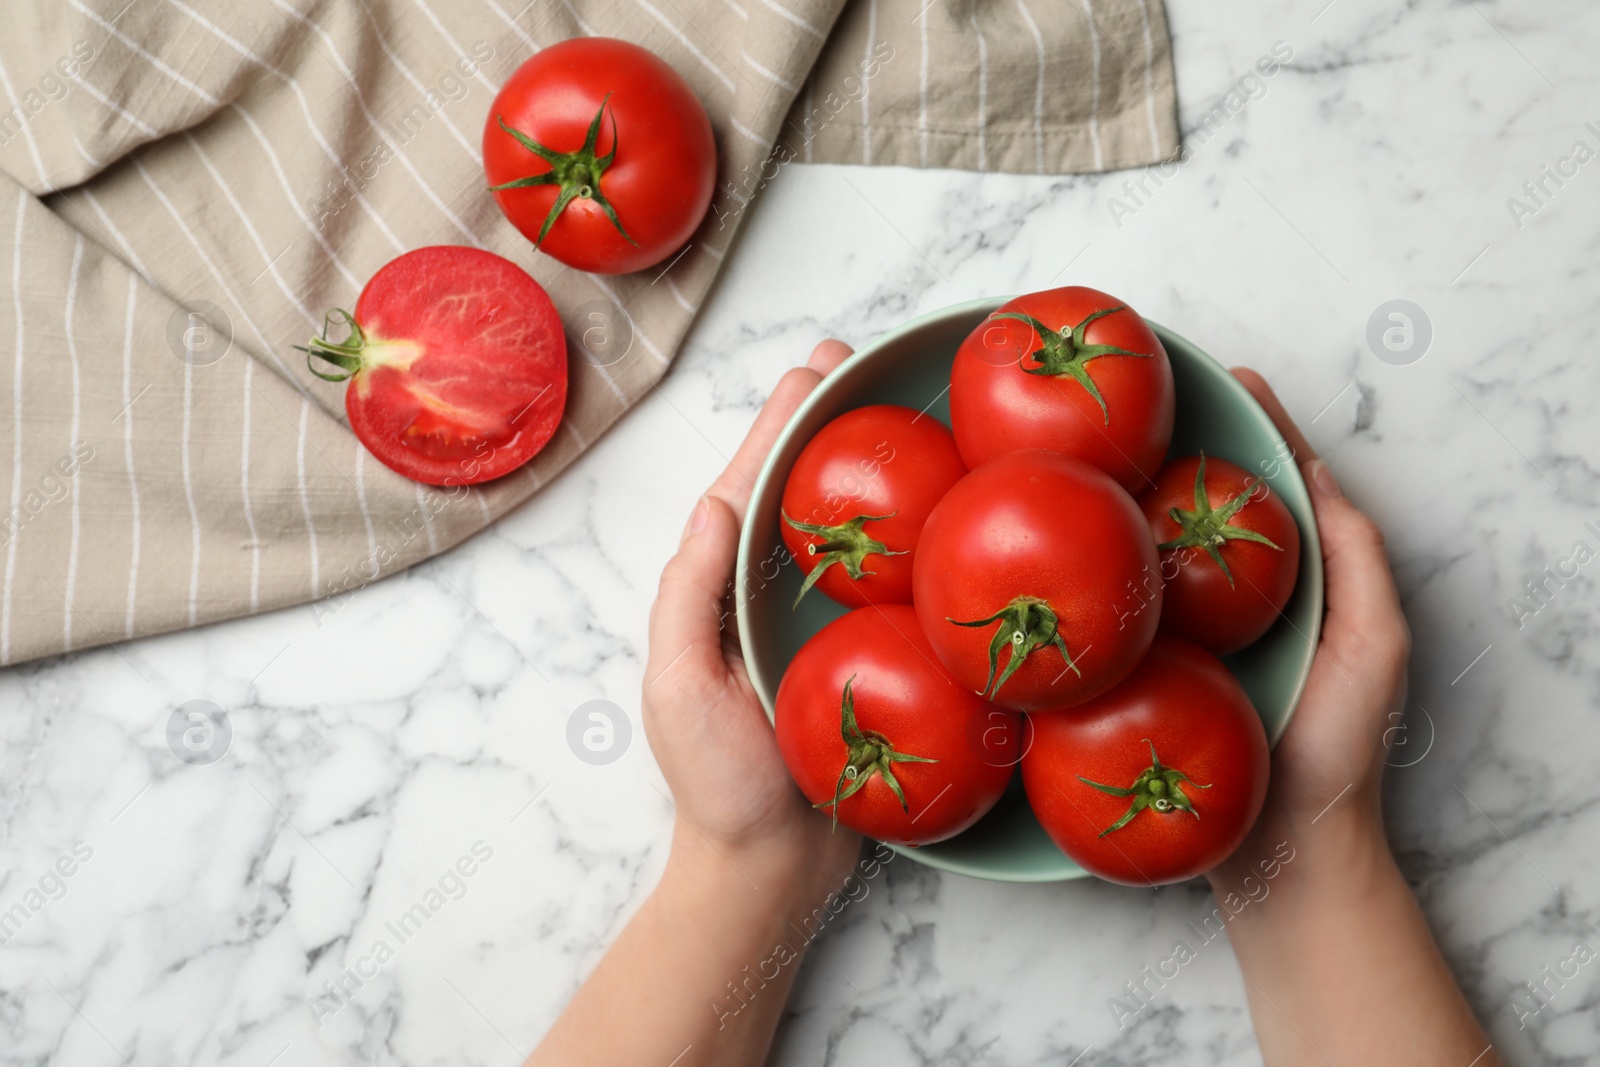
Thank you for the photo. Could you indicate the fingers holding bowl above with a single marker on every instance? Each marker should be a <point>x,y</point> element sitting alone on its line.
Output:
<point>736,482</point>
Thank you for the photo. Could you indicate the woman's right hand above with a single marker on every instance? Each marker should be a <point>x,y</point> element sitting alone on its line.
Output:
<point>1328,767</point>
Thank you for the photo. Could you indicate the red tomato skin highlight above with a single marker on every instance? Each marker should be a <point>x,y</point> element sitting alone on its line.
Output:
<point>1201,722</point>
<point>875,460</point>
<point>1038,523</point>
<point>661,181</point>
<point>997,407</point>
<point>1199,605</point>
<point>900,692</point>
<point>487,390</point>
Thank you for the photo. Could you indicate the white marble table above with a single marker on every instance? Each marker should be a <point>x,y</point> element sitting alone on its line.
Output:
<point>376,748</point>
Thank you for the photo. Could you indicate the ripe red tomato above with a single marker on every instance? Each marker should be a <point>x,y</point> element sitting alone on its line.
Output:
<point>875,733</point>
<point>601,154</point>
<point>1021,576</point>
<point>1072,370</point>
<point>457,365</point>
<point>1159,779</point>
<point>857,497</point>
<point>1230,552</point>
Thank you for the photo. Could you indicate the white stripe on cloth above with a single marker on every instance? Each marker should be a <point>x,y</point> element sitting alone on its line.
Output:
<point>427,519</point>
<point>16,430</point>
<point>866,83</point>
<point>127,450</point>
<point>922,97</point>
<point>305,109</point>
<point>634,326</point>
<point>294,201</point>
<point>705,60</point>
<point>1038,85</point>
<point>127,249</point>
<point>416,83</point>
<point>188,491</point>
<point>238,304</point>
<point>378,127</point>
<point>72,442</point>
<point>771,75</point>
<point>983,92</point>
<point>1094,105</point>
<point>361,499</point>
<point>27,129</point>
<point>795,19</point>
<point>461,53</point>
<point>148,56</point>
<point>746,131</point>
<point>1149,79</point>
<point>305,497</point>
<point>588,30</point>
<point>677,294</point>
<point>244,488</point>
<point>121,112</point>
<point>511,22</point>
<point>255,238</point>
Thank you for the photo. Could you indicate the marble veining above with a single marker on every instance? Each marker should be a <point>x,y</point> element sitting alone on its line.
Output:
<point>231,913</point>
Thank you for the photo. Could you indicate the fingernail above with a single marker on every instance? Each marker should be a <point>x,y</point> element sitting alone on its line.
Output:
<point>697,519</point>
<point>1327,485</point>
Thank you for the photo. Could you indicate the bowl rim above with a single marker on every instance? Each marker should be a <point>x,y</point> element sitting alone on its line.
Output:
<point>744,559</point>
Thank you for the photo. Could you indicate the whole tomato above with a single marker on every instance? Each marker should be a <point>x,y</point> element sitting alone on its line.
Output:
<point>1024,577</point>
<point>1230,552</point>
<point>857,497</point>
<point>1156,781</point>
<point>878,735</point>
<point>1073,370</point>
<point>601,154</point>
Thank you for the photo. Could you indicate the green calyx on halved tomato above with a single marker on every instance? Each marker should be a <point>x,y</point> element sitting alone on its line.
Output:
<point>847,543</point>
<point>1026,625</point>
<point>869,753</point>
<point>1158,786</point>
<point>1066,354</point>
<point>355,353</point>
<point>577,172</point>
<point>1208,528</point>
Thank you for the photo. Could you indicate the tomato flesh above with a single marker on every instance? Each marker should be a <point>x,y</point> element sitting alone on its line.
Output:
<point>464,374</point>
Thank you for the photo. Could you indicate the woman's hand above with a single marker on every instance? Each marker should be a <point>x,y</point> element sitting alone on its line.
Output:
<point>706,725</point>
<point>1328,768</point>
<point>701,972</point>
<point>1338,960</point>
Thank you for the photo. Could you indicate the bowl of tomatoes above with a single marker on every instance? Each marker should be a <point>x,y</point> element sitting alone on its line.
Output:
<point>1029,587</point>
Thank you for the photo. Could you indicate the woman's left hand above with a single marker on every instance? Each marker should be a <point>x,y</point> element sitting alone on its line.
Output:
<point>705,724</point>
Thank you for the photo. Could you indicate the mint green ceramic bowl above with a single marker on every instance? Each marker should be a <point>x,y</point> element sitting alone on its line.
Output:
<point>911,366</point>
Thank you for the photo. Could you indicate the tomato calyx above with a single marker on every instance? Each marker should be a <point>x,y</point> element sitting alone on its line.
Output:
<point>1158,786</point>
<point>869,753</point>
<point>357,352</point>
<point>1209,528</point>
<point>846,543</point>
<point>577,172</point>
<point>1066,354</point>
<point>1027,624</point>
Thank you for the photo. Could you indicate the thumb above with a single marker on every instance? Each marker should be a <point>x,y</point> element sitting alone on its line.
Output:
<point>687,620</point>
<point>1363,609</point>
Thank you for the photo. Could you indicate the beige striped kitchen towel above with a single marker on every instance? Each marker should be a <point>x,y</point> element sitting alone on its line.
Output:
<point>185,186</point>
